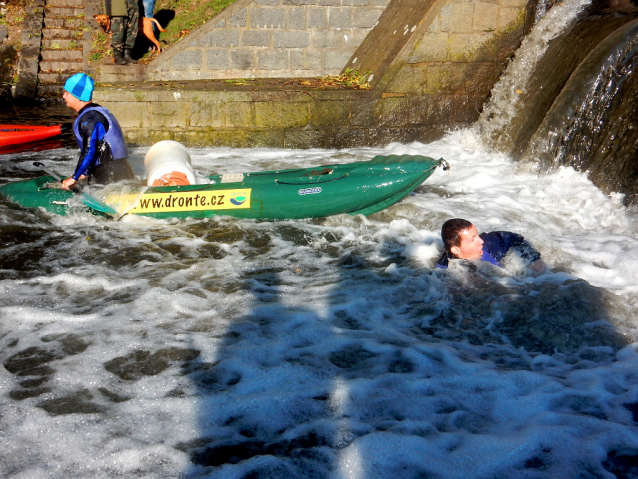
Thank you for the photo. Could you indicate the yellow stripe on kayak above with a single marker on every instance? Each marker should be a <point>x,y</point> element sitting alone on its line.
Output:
<point>187,201</point>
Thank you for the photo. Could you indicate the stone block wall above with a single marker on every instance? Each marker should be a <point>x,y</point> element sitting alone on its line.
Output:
<point>453,57</point>
<point>31,43</point>
<point>463,48</point>
<point>272,39</point>
<point>434,62</point>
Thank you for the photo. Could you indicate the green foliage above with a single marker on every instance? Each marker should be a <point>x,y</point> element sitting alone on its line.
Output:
<point>100,46</point>
<point>239,81</point>
<point>352,77</point>
<point>189,15</point>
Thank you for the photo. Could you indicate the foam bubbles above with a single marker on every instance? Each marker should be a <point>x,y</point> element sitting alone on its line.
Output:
<point>233,348</point>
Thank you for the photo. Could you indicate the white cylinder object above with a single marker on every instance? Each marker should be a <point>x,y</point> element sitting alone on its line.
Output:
<point>166,162</point>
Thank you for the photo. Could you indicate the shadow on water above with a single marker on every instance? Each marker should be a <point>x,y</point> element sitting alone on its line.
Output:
<point>377,334</point>
<point>336,346</point>
<point>565,318</point>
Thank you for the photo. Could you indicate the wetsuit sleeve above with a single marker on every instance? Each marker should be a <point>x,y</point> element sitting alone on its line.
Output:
<point>92,129</point>
<point>498,243</point>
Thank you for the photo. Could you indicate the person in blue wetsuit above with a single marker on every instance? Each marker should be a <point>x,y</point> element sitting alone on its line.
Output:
<point>461,240</point>
<point>103,154</point>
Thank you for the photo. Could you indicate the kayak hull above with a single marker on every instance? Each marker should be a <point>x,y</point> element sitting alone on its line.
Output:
<point>11,135</point>
<point>354,188</point>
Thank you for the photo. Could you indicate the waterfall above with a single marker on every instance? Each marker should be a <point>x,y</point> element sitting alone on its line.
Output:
<point>507,102</point>
<point>569,97</point>
<point>593,122</point>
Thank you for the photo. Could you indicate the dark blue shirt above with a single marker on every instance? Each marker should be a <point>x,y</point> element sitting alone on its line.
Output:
<point>496,245</point>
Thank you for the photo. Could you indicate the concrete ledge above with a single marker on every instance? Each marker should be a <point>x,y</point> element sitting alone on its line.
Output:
<point>280,116</point>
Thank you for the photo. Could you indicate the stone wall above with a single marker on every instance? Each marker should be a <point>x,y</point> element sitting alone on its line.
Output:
<point>462,49</point>
<point>434,63</point>
<point>272,39</point>
<point>31,41</point>
<point>442,62</point>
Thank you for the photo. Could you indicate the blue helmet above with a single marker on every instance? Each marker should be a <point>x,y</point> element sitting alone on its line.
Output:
<point>80,86</point>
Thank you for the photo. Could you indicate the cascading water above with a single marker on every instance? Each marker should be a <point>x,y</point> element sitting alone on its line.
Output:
<point>501,118</point>
<point>593,123</point>
<point>569,97</point>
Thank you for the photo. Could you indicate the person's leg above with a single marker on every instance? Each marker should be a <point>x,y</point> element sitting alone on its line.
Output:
<point>117,40</point>
<point>149,7</point>
<point>131,29</point>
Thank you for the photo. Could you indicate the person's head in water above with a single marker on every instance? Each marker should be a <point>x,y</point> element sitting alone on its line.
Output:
<point>461,239</point>
<point>78,91</point>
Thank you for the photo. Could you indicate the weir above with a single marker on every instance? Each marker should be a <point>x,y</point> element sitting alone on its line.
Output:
<point>331,347</point>
<point>578,106</point>
<point>600,132</point>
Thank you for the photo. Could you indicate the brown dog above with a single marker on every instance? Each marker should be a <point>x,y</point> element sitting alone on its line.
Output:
<point>145,26</point>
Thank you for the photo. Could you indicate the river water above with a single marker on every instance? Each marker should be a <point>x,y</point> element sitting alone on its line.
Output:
<point>321,348</point>
<point>327,348</point>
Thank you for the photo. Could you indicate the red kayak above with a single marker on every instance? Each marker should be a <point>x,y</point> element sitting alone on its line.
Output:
<point>18,134</point>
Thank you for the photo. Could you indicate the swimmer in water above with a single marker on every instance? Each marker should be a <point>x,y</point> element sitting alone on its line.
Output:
<point>461,240</point>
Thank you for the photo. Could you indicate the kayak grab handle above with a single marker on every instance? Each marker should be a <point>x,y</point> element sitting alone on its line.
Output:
<point>446,165</point>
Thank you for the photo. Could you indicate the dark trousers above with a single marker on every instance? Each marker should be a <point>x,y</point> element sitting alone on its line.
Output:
<point>112,171</point>
<point>125,28</point>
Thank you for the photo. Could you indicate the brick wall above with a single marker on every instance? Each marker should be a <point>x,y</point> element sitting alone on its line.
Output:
<point>272,39</point>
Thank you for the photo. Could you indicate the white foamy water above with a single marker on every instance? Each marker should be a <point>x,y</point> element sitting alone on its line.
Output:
<point>331,348</point>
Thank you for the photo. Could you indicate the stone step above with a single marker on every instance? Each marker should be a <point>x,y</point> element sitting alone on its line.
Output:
<point>60,56</point>
<point>51,66</point>
<point>46,78</point>
<point>117,73</point>
<point>66,3</point>
<point>61,33</point>
<point>64,12</point>
<point>61,44</point>
<point>50,89</point>
<point>54,22</point>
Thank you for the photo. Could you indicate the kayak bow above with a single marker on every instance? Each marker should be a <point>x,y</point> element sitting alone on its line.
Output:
<point>18,134</point>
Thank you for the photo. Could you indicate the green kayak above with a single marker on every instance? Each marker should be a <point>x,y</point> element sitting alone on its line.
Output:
<point>363,187</point>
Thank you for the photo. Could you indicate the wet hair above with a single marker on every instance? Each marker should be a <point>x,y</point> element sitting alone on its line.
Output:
<point>451,232</point>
